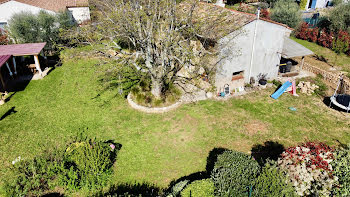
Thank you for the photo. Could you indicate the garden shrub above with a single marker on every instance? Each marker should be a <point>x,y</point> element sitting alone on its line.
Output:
<point>308,168</point>
<point>286,12</point>
<point>303,4</point>
<point>88,164</point>
<point>203,188</point>
<point>32,177</point>
<point>84,164</point>
<point>272,182</point>
<point>322,87</point>
<point>341,169</point>
<point>233,174</point>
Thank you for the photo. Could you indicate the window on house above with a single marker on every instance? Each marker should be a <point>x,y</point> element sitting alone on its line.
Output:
<point>237,75</point>
<point>3,25</point>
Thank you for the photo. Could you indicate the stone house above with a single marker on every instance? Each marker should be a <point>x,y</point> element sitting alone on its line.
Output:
<point>248,46</point>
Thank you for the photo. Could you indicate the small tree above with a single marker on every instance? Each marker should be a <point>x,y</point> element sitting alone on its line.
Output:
<point>286,12</point>
<point>26,27</point>
<point>340,17</point>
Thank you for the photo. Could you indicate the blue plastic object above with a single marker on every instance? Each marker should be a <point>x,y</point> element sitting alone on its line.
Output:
<point>281,90</point>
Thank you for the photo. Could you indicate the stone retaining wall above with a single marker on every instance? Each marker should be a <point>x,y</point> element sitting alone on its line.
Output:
<point>153,109</point>
<point>330,77</point>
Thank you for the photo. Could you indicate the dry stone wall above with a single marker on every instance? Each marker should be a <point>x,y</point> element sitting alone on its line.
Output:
<point>330,77</point>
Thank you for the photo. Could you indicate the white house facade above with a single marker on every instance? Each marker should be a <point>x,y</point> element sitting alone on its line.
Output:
<point>80,12</point>
<point>9,8</point>
<point>243,57</point>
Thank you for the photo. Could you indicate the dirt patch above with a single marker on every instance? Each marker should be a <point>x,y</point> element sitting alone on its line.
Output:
<point>255,127</point>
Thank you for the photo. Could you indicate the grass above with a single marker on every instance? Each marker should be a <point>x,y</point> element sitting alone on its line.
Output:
<point>156,148</point>
<point>341,60</point>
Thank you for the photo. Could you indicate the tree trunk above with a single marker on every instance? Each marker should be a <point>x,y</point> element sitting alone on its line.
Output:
<point>156,88</point>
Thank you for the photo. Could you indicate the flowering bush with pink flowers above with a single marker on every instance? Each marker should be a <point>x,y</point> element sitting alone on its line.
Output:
<point>308,168</point>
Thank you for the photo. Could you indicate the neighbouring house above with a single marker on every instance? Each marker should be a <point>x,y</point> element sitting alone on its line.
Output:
<point>79,9</point>
<point>316,4</point>
<point>248,47</point>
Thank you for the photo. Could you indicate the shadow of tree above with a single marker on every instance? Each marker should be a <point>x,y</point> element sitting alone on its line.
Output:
<point>53,195</point>
<point>133,190</point>
<point>269,150</point>
<point>9,112</point>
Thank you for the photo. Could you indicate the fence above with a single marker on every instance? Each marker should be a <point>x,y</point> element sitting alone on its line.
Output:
<point>330,77</point>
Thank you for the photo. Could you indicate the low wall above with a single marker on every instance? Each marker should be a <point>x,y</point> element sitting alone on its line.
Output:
<point>153,109</point>
<point>330,77</point>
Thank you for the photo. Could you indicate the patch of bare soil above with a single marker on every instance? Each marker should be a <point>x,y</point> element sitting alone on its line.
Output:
<point>255,127</point>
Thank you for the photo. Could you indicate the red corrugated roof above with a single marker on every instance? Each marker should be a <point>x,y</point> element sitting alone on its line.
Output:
<point>22,49</point>
<point>3,59</point>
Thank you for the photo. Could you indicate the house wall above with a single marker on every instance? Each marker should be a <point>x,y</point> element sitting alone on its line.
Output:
<point>235,52</point>
<point>80,14</point>
<point>12,7</point>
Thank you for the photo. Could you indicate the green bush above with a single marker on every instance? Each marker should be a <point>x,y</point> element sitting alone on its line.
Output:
<point>271,182</point>
<point>26,27</point>
<point>233,174</point>
<point>85,164</point>
<point>303,4</point>
<point>286,12</point>
<point>32,177</point>
<point>90,165</point>
<point>341,169</point>
<point>200,188</point>
<point>322,87</point>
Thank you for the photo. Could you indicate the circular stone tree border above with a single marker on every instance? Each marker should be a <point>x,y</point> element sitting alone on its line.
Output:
<point>152,109</point>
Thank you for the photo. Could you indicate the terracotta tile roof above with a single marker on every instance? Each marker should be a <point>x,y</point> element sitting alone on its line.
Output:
<point>53,5</point>
<point>216,22</point>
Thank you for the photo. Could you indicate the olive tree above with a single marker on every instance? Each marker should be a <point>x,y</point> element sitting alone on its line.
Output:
<point>286,12</point>
<point>160,37</point>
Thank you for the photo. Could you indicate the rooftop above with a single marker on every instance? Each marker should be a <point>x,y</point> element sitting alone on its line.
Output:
<point>53,5</point>
<point>22,49</point>
<point>217,22</point>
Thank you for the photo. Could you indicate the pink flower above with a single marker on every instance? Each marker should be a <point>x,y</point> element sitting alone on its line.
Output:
<point>112,146</point>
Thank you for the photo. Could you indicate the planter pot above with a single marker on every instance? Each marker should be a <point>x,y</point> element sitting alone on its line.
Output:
<point>262,81</point>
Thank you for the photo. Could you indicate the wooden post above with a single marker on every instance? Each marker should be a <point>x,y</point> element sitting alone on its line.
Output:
<point>14,65</point>
<point>302,63</point>
<point>37,64</point>
<point>8,67</point>
<point>2,81</point>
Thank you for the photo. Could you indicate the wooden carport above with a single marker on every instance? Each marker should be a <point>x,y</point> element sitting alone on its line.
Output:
<point>14,50</point>
<point>3,61</point>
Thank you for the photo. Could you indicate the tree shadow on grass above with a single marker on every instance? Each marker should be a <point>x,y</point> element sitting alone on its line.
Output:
<point>133,190</point>
<point>177,185</point>
<point>53,195</point>
<point>269,150</point>
<point>9,112</point>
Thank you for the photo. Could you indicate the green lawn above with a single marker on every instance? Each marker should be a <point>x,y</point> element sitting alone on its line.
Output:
<point>156,148</point>
<point>341,60</point>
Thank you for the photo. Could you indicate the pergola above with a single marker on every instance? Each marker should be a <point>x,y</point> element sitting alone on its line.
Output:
<point>13,50</point>
<point>3,61</point>
<point>22,50</point>
<point>293,49</point>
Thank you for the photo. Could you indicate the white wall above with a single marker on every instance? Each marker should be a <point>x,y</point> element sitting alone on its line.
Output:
<point>268,46</point>
<point>321,3</point>
<point>12,7</point>
<point>80,14</point>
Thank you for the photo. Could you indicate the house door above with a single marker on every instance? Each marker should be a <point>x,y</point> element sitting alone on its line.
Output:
<point>313,5</point>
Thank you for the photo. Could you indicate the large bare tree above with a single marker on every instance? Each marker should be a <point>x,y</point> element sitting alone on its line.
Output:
<point>159,34</point>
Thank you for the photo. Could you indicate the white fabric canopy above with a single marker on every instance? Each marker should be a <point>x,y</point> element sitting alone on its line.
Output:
<point>293,49</point>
